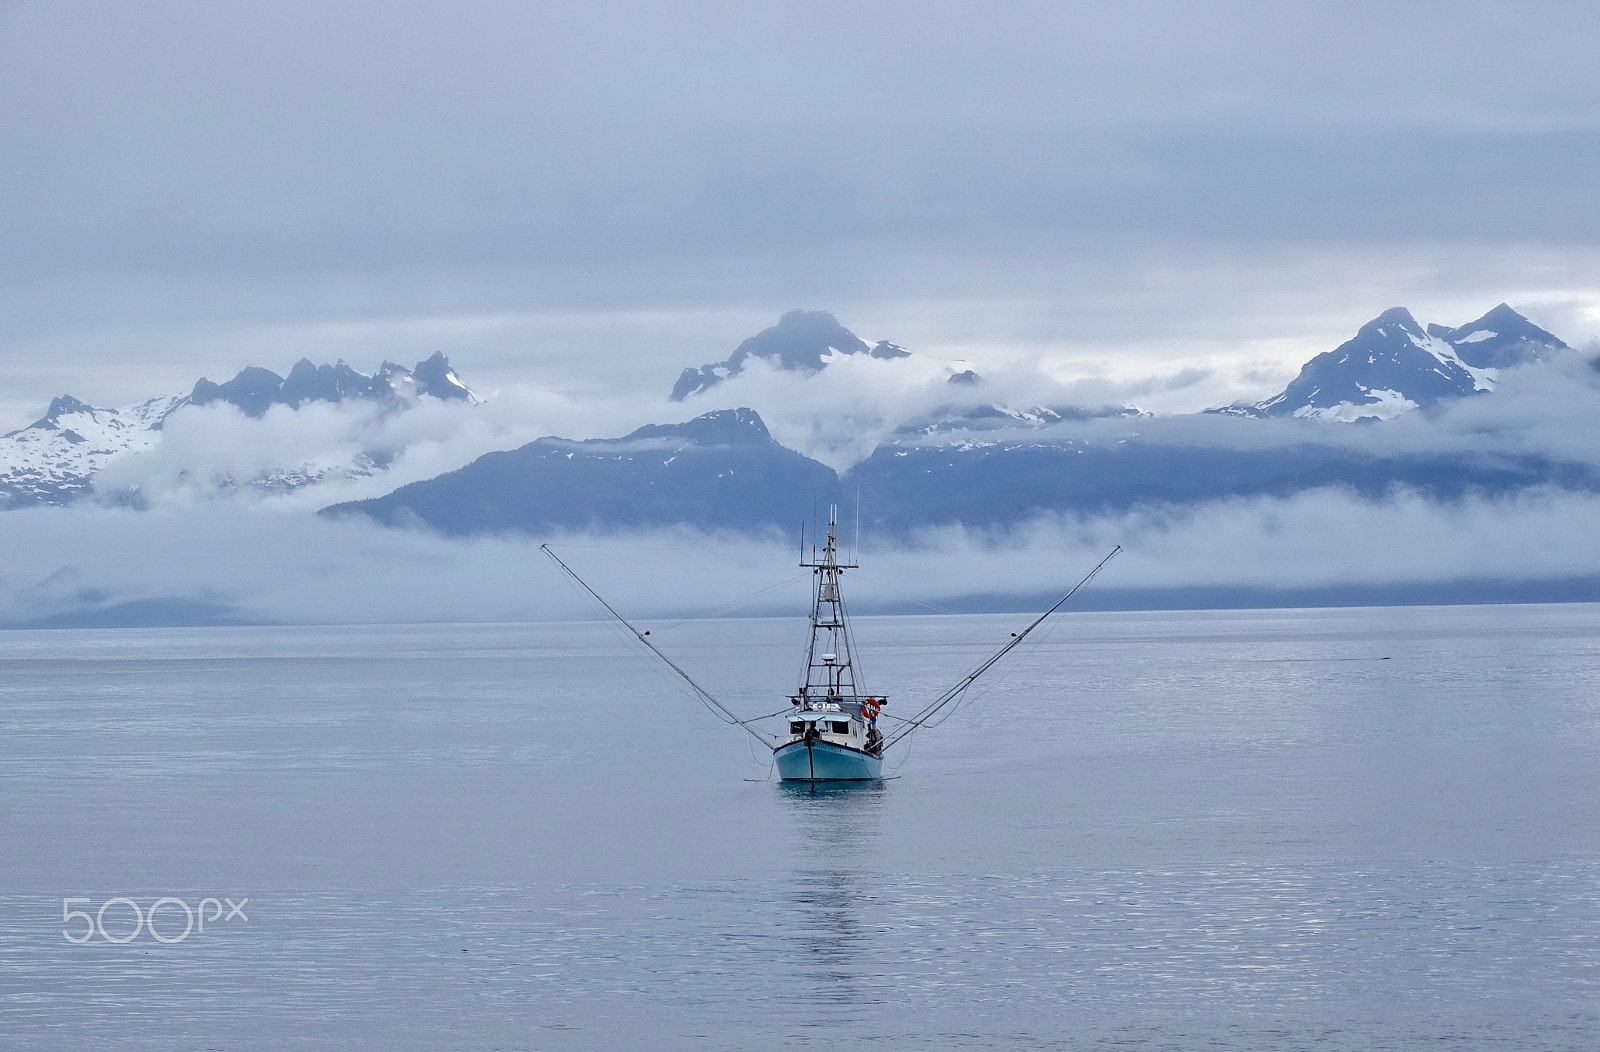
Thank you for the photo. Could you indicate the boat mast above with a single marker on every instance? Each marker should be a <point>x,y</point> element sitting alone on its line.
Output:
<point>830,670</point>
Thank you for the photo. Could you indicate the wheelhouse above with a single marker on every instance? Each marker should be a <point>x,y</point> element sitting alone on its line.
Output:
<point>831,723</point>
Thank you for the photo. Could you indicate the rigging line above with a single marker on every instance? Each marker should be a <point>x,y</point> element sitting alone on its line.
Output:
<point>850,645</point>
<point>957,695</point>
<point>811,639</point>
<point>966,681</point>
<point>992,682</point>
<point>904,756</point>
<point>733,603</point>
<point>976,549</point>
<point>664,547</point>
<point>621,630</point>
<point>958,692</point>
<point>768,716</point>
<point>617,633</point>
<point>717,707</point>
<point>935,607</point>
<point>1002,673</point>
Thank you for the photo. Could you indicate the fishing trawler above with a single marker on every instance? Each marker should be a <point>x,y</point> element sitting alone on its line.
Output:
<point>833,733</point>
<point>833,730</point>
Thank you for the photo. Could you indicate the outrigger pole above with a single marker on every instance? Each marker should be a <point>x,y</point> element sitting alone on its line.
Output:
<point>717,708</point>
<point>966,681</point>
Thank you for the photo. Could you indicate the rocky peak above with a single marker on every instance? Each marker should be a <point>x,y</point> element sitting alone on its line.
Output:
<point>802,342</point>
<point>724,427</point>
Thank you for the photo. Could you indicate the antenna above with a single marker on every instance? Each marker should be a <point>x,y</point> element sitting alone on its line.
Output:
<point>855,549</point>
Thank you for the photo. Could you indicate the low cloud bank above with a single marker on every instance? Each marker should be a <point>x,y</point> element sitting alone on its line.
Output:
<point>349,451</point>
<point>1545,409</point>
<point>357,450</point>
<point>279,567</point>
<point>258,556</point>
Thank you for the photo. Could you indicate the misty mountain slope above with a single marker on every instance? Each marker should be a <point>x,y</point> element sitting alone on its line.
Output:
<point>829,394</point>
<point>982,422</point>
<point>1394,364</point>
<point>802,341</point>
<point>1001,485</point>
<point>723,471</point>
<point>719,471</point>
<point>56,459</point>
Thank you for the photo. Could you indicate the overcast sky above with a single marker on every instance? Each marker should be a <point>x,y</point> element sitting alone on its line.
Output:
<point>594,196</point>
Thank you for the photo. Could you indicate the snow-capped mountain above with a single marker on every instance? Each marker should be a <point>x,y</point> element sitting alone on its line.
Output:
<point>993,465</point>
<point>1499,339</point>
<point>802,341</point>
<point>979,422</point>
<point>1393,365</point>
<point>55,459</point>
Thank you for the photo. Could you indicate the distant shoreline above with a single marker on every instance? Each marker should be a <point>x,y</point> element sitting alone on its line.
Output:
<point>185,613</point>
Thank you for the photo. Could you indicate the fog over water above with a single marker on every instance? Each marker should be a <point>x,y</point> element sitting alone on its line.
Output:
<point>293,569</point>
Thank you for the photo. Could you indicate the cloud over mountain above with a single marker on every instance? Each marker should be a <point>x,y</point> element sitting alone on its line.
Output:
<point>327,423</point>
<point>993,481</point>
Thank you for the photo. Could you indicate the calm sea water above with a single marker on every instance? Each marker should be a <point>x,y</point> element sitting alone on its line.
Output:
<point>1330,829</point>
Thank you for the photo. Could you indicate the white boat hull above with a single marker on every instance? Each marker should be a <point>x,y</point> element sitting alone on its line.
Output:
<point>824,761</point>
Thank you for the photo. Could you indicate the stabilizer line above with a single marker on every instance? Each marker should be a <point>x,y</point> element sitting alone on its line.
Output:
<point>718,709</point>
<point>966,681</point>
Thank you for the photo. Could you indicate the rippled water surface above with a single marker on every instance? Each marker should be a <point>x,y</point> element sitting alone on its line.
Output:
<point>1332,829</point>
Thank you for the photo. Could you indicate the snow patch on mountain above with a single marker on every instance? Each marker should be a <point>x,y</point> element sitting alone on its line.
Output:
<point>1393,365</point>
<point>54,459</point>
<point>802,341</point>
<point>831,395</point>
<point>62,456</point>
<point>1385,405</point>
<point>975,424</point>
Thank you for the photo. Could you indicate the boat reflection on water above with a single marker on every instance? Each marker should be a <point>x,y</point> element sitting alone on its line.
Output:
<point>818,791</point>
<point>833,897</point>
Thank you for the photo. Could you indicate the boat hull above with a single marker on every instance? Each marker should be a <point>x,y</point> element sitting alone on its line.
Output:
<point>822,761</point>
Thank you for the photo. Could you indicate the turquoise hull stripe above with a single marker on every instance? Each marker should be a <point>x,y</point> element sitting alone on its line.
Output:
<point>825,762</point>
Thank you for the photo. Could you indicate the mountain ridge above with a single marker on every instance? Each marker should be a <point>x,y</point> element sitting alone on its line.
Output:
<point>690,473</point>
<point>719,471</point>
<point>1394,364</point>
<point>802,341</point>
<point>54,460</point>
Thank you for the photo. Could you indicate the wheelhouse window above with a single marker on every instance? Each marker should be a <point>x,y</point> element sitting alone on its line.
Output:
<point>797,727</point>
<point>840,726</point>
